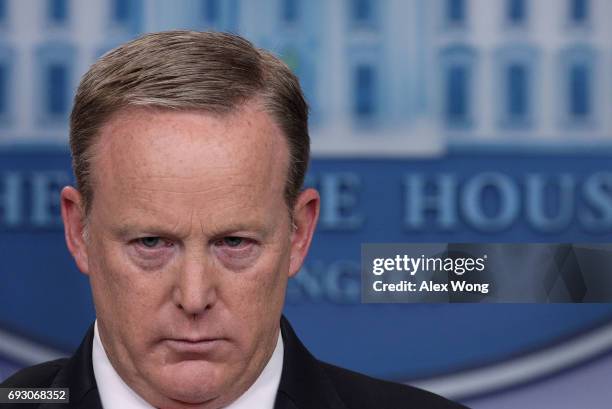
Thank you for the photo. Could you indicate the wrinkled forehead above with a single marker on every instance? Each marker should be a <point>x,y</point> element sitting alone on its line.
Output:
<point>190,151</point>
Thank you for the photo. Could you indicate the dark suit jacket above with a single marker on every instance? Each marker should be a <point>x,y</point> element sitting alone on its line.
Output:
<point>305,383</point>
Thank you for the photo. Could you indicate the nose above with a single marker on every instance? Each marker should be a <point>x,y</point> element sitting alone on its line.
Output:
<point>195,289</point>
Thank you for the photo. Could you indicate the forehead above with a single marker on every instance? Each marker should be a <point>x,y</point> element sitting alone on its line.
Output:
<point>139,135</point>
<point>143,152</point>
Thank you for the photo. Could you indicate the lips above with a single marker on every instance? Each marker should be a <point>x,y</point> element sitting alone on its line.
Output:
<point>194,345</point>
<point>194,340</point>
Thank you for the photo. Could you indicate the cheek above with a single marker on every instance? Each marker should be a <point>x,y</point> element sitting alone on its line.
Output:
<point>119,288</point>
<point>257,294</point>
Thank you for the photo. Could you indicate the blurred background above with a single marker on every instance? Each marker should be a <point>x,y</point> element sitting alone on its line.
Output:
<point>431,121</point>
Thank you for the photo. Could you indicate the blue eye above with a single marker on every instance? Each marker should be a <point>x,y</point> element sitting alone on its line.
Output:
<point>150,242</point>
<point>233,241</point>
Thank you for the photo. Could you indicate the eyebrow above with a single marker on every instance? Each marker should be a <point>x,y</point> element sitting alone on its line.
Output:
<point>230,228</point>
<point>125,230</point>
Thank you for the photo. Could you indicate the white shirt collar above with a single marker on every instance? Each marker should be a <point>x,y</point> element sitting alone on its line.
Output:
<point>115,393</point>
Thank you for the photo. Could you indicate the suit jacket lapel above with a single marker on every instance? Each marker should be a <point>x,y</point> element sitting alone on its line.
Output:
<point>304,384</point>
<point>78,375</point>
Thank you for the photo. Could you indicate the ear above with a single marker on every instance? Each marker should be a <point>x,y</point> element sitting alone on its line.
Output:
<point>73,215</point>
<point>305,216</point>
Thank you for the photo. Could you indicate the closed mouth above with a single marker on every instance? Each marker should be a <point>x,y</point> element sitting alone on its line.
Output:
<point>193,345</point>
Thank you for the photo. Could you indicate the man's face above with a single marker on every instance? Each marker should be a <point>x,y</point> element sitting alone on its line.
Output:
<point>189,248</point>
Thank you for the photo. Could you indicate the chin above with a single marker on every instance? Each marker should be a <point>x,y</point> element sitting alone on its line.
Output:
<point>191,382</point>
